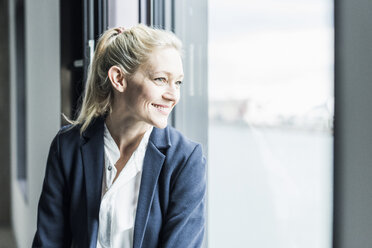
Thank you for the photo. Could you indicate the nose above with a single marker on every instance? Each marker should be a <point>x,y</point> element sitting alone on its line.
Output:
<point>172,93</point>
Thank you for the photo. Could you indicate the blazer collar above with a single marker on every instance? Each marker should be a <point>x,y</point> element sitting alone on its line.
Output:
<point>152,165</point>
<point>95,128</point>
<point>92,151</point>
<point>159,137</point>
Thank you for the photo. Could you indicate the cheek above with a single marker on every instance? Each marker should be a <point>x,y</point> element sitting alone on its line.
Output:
<point>178,96</point>
<point>136,94</point>
<point>147,95</point>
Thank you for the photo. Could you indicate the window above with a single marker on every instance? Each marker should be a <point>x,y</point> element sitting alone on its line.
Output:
<point>122,13</point>
<point>270,123</point>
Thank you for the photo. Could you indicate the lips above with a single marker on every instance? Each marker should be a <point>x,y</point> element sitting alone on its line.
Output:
<point>164,109</point>
<point>159,106</point>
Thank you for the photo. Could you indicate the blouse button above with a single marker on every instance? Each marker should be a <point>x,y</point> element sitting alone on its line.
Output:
<point>109,168</point>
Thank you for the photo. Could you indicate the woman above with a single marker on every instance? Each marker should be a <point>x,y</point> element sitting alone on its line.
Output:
<point>119,176</point>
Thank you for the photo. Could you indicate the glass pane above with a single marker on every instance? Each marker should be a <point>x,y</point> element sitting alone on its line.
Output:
<point>270,123</point>
<point>122,13</point>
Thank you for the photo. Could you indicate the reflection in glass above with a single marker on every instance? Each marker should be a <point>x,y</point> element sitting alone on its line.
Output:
<point>270,123</point>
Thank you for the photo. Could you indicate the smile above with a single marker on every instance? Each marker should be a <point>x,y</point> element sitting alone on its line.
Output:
<point>162,108</point>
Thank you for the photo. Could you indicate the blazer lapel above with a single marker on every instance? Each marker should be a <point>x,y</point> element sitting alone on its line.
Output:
<point>92,152</point>
<point>152,165</point>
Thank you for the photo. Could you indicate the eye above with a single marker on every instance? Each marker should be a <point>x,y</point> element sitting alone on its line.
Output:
<point>178,83</point>
<point>162,80</point>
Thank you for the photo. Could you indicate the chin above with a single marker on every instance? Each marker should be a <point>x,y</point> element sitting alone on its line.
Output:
<point>160,124</point>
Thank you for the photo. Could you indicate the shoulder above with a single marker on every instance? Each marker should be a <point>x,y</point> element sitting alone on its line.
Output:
<point>185,161</point>
<point>180,143</point>
<point>69,133</point>
<point>70,129</point>
<point>67,140</point>
<point>74,132</point>
<point>183,151</point>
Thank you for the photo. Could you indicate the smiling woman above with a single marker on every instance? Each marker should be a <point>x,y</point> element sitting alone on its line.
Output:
<point>150,94</point>
<point>118,176</point>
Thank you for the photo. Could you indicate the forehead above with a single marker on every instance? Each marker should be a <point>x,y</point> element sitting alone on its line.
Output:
<point>165,60</point>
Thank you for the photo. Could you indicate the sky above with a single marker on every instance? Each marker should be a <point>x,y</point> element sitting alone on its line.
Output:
<point>278,53</point>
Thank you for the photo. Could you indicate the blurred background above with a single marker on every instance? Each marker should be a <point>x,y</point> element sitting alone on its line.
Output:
<point>278,92</point>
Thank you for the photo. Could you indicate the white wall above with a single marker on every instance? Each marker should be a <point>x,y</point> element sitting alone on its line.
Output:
<point>42,107</point>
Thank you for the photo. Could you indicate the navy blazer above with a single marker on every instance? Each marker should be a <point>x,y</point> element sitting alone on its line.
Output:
<point>171,201</point>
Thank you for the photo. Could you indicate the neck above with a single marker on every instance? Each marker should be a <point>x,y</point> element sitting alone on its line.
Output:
<point>125,131</point>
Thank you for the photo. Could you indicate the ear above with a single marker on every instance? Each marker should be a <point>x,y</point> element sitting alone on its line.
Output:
<point>117,78</point>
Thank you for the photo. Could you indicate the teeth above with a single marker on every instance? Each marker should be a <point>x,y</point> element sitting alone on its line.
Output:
<point>157,106</point>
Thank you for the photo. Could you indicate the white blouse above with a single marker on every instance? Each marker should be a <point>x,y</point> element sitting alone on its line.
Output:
<point>119,199</point>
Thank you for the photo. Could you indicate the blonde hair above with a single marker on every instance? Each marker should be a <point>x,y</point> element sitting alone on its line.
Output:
<point>127,49</point>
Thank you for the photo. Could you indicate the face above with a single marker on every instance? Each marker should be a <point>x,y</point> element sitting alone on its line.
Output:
<point>153,91</point>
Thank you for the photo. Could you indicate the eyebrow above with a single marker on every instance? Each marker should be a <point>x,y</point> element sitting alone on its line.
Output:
<point>168,73</point>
